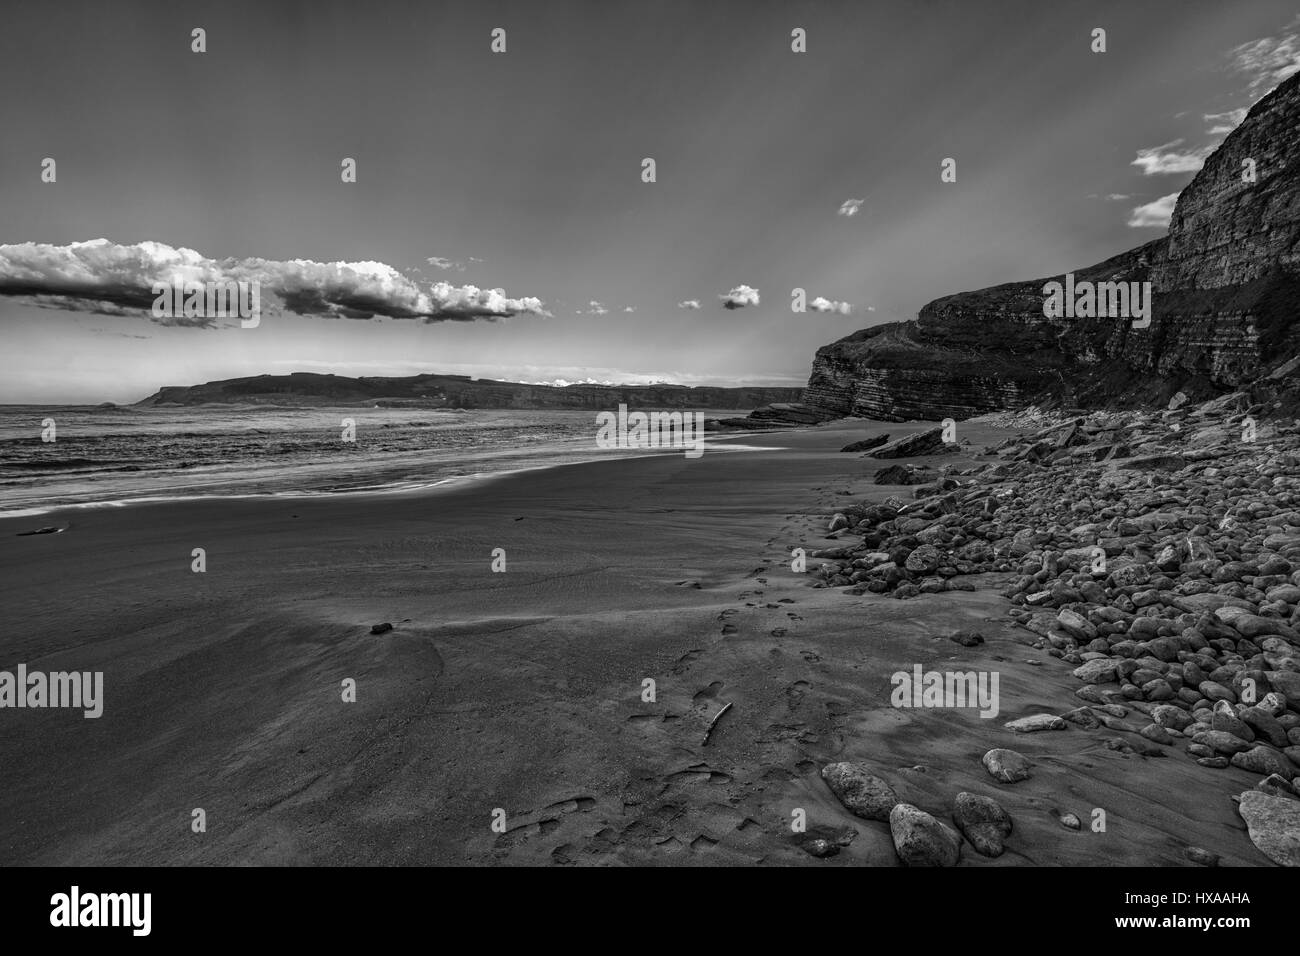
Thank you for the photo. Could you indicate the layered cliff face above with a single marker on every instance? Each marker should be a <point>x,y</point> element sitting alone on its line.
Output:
<point>1225,308</point>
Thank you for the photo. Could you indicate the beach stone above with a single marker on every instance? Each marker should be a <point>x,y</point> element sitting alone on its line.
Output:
<point>920,839</point>
<point>1171,717</point>
<point>1276,785</point>
<point>820,848</point>
<point>983,822</point>
<point>1263,760</point>
<point>924,559</point>
<point>1007,766</point>
<point>1034,723</point>
<point>1070,821</point>
<point>1221,742</point>
<point>381,628</point>
<point>967,638</point>
<point>862,793</point>
<point>1099,671</point>
<point>1273,824</point>
<point>1201,856</point>
<point>1156,734</point>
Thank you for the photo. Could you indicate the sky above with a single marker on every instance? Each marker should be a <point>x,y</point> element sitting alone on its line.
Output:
<point>499,224</point>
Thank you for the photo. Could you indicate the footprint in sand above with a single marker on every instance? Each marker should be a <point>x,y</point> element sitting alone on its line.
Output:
<point>686,660</point>
<point>794,694</point>
<point>702,698</point>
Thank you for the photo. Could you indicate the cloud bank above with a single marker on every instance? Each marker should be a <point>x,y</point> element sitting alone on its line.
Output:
<point>105,277</point>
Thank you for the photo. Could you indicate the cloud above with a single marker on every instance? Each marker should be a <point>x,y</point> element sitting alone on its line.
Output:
<point>871,308</point>
<point>442,263</point>
<point>105,277</point>
<point>1154,214</point>
<point>1223,123</point>
<point>739,297</point>
<point>1117,197</point>
<point>629,308</point>
<point>850,207</point>
<point>1160,160</point>
<point>820,304</point>
<point>1268,61</point>
<point>689,304</point>
<point>595,308</point>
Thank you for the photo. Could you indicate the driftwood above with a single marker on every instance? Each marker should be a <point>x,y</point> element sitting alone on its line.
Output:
<point>713,723</point>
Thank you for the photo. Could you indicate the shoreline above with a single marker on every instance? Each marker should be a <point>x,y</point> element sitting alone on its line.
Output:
<point>523,691</point>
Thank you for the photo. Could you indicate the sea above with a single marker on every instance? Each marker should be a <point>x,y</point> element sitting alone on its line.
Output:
<point>116,455</point>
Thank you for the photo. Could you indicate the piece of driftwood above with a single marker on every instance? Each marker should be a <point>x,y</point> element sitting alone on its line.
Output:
<point>714,722</point>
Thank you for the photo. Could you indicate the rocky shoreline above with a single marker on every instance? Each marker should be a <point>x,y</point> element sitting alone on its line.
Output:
<point>1155,554</point>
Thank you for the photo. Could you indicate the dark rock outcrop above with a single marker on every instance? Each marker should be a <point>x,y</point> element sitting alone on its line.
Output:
<point>460,391</point>
<point>1225,294</point>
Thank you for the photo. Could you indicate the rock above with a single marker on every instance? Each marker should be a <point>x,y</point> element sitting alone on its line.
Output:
<point>1221,742</point>
<point>1263,760</point>
<point>1007,766</point>
<point>966,638</point>
<point>982,821</point>
<point>903,475</point>
<point>1276,785</point>
<point>1100,671</point>
<point>1156,734</point>
<point>1200,856</point>
<point>926,442</point>
<point>381,628</point>
<point>1273,824</point>
<point>1070,821</point>
<point>867,443</point>
<point>921,840</point>
<point>862,793</point>
<point>820,848</point>
<point>924,559</point>
<point>1034,723</point>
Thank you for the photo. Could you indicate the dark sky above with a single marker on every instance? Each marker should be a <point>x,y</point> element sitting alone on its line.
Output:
<point>525,168</point>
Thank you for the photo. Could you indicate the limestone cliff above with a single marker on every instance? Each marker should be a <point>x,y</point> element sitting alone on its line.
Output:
<point>1225,291</point>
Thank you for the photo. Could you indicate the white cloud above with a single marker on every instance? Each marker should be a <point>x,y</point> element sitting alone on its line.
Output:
<point>850,207</point>
<point>629,308</point>
<point>1160,160</point>
<point>1223,123</point>
<point>443,263</point>
<point>1117,197</point>
<point>1154,214</point>
<point>821,304</point>
<point>689,304</point>
<point>103,276</point>
<point>739,297</point>
<point>1268,61</point>
<point>595,308</point>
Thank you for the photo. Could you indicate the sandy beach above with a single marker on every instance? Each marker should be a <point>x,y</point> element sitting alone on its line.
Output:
<point>523,690</point>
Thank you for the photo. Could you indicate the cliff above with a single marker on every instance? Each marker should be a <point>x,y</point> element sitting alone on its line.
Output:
<point>1225,298</point>
<point>457,391</point>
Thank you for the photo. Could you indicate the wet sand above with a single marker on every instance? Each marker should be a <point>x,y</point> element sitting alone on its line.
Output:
<point>523,690</point>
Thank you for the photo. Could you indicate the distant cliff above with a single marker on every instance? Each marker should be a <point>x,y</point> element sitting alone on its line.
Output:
<point>457,391</point>
<point>1226,309</point>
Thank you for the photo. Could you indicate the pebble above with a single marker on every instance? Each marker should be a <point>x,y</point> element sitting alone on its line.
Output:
<point>1007,766</point>
<point>862,793</point>
<point>921,840</point>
